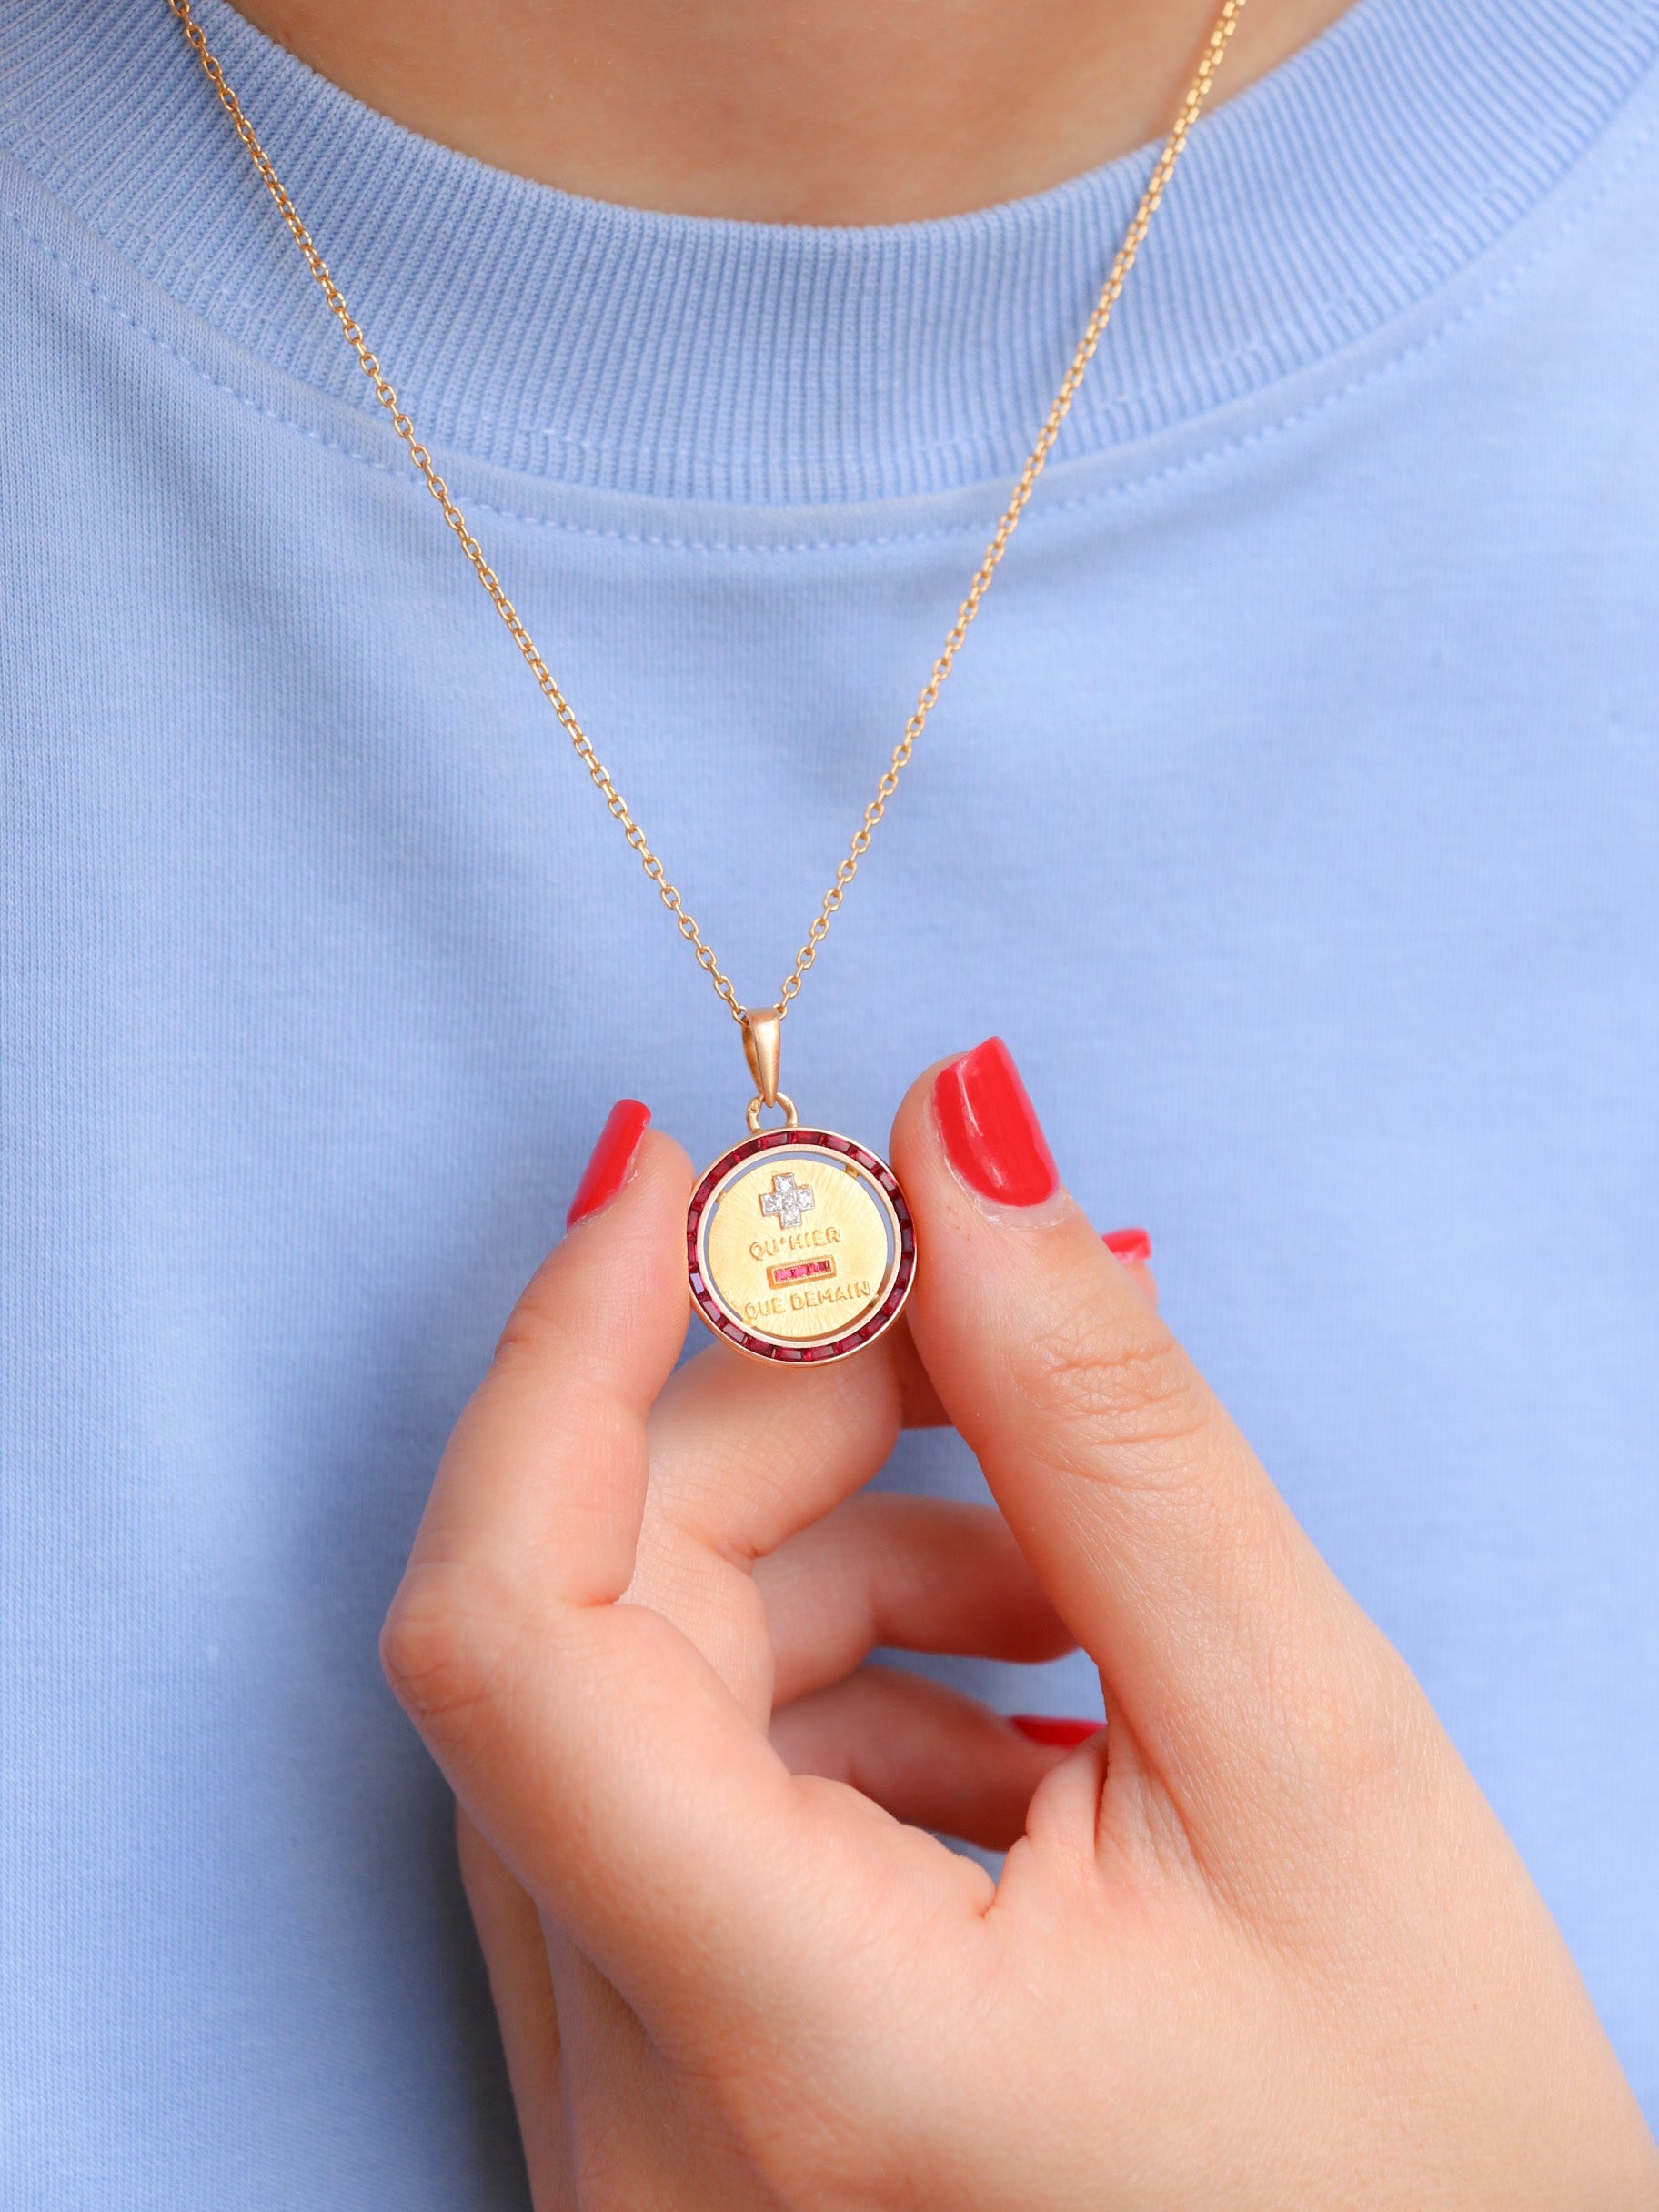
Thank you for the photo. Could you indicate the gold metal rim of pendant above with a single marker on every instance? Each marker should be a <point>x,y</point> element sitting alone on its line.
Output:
<point>783,1287</point>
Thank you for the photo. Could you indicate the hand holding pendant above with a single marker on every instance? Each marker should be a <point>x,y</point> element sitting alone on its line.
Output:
<point>1258,1942</point>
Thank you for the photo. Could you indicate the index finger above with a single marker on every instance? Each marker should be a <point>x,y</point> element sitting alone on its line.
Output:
<point>588,1740</point>
<point>544,1476</point>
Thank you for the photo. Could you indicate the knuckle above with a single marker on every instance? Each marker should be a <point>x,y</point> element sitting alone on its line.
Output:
<point>441,1645</point>
<point>1104,1381</point>
<point>532,1335</point>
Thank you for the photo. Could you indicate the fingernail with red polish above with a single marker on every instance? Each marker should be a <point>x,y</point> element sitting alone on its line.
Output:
<point>1133,1246</point>
<point>1063,1734</point>
<point>613,1156</point>
<point>991,1129</point>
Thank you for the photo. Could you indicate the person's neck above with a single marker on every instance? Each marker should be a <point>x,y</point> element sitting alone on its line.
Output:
<point>847,111</point>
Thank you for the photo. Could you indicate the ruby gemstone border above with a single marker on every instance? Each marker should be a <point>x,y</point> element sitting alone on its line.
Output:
<point>835,1347</point>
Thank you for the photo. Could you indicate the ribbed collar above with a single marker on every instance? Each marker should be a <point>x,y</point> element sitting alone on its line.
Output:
<point>724,361</point>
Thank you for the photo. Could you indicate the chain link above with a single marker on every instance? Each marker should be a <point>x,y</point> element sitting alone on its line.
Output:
<point>1192,106</point>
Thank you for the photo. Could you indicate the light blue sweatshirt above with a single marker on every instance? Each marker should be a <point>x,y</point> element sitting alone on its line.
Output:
<point>1294,812</point>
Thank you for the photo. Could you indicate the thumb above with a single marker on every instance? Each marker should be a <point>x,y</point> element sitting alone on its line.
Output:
<point>1150,1523</point>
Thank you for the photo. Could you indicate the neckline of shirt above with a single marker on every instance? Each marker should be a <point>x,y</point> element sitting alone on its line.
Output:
<point>678,358</point>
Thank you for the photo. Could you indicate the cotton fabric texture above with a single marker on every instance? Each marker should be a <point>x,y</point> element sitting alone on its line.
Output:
<point>1293,812</point>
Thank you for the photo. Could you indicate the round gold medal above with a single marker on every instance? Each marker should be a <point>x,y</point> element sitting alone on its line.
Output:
<point>799,1246</point>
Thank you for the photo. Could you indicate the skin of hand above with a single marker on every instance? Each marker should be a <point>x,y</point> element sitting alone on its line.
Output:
<point>1261,1942</point>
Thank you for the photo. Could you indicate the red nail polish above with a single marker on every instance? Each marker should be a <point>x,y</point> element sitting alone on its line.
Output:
<point>991,1129</point>
<point>1133,1246</point>
<point>613,1156</point>
<point>1063,1734</point>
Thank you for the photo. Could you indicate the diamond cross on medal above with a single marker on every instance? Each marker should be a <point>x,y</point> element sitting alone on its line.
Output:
<point>787,1201</point>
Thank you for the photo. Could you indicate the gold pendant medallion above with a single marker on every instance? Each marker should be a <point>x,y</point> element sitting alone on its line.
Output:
<point>799,1246</point>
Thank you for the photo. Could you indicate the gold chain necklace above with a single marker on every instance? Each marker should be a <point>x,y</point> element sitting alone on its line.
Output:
<point>773,1284</point>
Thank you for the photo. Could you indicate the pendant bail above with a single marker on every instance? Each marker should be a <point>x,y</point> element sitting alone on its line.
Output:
<point>761,1042</point>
